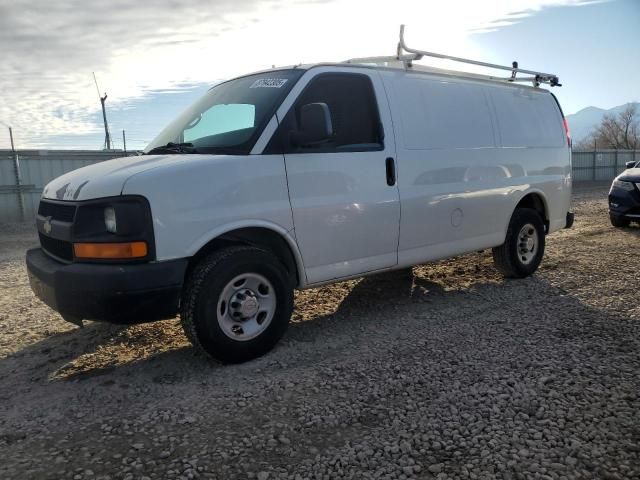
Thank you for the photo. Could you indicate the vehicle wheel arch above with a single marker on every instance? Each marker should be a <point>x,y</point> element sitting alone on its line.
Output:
<point>274,240</point>
<point>536,200</point>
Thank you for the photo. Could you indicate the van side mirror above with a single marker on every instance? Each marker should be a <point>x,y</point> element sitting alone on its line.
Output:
<point>630,164</point>
<point>315,125</point>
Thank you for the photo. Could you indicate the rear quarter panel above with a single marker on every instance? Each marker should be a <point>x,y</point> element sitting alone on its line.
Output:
<point>531,131</point>
<point>468,152</point>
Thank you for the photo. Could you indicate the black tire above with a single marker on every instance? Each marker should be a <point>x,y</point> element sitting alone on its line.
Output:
<point>618,221</point>
<point>507,257</point>
<point>205,284</point>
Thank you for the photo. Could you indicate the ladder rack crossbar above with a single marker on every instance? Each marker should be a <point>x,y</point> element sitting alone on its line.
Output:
<point>407,55</point>
<point>403,45</point>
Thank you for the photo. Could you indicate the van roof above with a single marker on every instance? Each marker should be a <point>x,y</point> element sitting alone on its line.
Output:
<point>405,57</point>
<point>412,68</point>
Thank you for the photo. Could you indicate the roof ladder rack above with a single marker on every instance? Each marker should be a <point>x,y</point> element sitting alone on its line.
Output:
<point>407,55</point>
<point>538,77</point>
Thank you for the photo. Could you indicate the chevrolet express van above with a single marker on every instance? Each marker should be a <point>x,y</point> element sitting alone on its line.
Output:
<point>298,177</point>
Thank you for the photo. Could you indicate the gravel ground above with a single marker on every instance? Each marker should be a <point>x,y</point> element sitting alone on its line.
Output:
<point>446,371</point>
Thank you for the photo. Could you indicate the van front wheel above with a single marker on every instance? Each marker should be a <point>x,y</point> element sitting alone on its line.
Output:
<point>237,303</point>
<point>521,253</point>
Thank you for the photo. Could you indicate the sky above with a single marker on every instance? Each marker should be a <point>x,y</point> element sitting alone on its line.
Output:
<point>154,58</point>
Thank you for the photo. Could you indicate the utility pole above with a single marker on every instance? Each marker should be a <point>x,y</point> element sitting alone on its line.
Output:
<point>18,179</point>
<point>107,136</point>
<point>13,148</point>
<point>124,142</point>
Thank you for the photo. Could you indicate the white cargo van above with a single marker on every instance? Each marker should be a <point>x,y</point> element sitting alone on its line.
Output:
<point>297,177</point>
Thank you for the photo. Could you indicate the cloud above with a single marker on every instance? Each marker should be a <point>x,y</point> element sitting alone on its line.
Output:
<point>50,48</point>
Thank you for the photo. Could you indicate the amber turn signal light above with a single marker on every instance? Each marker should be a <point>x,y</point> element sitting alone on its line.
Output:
<point>111,251</point>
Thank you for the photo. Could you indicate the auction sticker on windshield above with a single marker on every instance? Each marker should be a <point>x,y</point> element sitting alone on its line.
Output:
<point>269,83</point>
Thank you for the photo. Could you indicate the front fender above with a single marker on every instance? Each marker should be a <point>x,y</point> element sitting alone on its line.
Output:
<point>287,235</point>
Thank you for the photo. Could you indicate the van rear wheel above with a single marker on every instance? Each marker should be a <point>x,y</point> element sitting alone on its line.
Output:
<point>521,253</point>
<point>237,303</point>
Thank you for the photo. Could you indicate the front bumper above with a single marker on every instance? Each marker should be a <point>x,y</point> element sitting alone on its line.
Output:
<point>623,203</point>
<point>117,293</point>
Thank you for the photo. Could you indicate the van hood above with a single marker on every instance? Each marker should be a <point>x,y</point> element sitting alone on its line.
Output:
<point>105,179</point>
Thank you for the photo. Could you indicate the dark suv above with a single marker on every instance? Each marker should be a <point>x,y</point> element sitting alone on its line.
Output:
<point>624,196</point>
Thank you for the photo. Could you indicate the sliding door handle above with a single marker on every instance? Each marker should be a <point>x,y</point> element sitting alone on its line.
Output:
<point>391,171</point>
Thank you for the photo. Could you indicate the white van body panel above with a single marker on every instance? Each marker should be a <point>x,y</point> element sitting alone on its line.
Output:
<point>463,166</point>
<point>103,179</point>
<point>204,196</point>
<point>346,216</point>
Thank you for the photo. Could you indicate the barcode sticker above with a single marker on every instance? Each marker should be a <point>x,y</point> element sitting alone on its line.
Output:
<point>269,83</point>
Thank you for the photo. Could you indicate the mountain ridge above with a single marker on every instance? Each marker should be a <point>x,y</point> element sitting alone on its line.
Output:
<point>584,121</point>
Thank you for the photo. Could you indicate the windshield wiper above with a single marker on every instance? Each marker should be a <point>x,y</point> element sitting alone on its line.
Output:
<point>172,147</point>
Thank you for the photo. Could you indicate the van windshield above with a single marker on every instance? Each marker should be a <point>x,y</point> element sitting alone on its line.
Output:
<point>229,118</point>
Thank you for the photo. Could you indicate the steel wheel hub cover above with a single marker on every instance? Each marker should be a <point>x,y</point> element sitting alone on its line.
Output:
<point>527,243</point>
<point>246,306</point>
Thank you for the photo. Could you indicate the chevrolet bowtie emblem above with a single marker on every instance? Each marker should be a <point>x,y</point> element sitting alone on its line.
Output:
<point>47,225</point>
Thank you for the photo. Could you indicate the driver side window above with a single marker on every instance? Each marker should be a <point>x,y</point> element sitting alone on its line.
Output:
<point>354,115</point>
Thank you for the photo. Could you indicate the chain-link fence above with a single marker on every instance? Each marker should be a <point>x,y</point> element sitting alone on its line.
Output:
<point>601,165</point>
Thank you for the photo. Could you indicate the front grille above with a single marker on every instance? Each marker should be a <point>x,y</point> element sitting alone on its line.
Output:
<point>57,248</point>
<point>57,211</point>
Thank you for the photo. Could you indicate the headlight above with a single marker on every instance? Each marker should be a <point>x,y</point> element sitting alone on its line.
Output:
<point>621,184</point>
<point>113,229</point>
<point>110,219</point>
